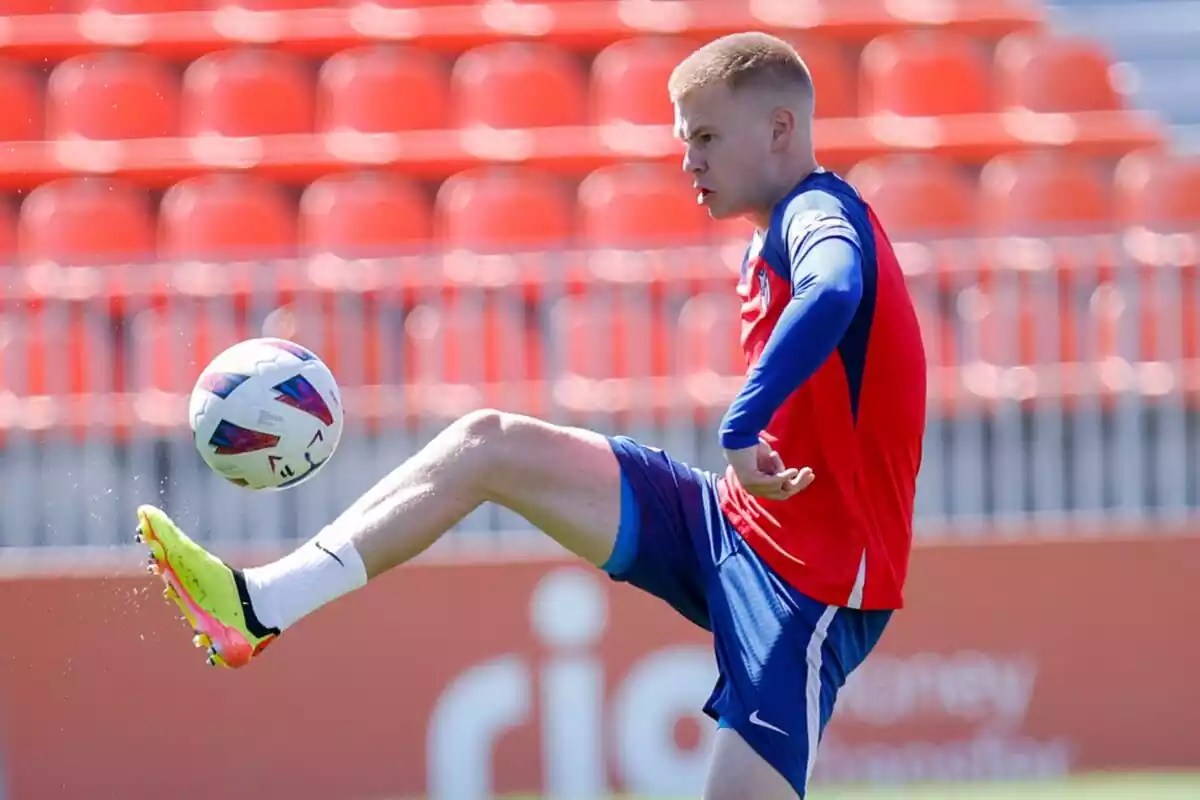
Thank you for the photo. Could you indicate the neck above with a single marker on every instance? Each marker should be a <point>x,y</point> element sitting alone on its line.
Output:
<point>761,216</point>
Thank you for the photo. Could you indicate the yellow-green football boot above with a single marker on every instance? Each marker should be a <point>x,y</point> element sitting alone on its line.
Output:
<point>211,594</point>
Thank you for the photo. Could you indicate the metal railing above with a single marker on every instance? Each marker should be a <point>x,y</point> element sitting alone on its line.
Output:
<point>1064,375</point>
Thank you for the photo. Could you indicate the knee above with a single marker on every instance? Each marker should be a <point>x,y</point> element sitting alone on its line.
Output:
<point>495,446</point>
<point>486,438</point>
<point>481,428</point>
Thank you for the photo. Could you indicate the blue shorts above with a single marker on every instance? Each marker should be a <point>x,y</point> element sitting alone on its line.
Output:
<point>781,657</point>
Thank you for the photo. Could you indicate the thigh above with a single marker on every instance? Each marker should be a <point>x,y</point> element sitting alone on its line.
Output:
<point>627,508</point>
<point>565,481</point>
<point>782,659</point>
<point>737,772</point>
<point>669,543</point>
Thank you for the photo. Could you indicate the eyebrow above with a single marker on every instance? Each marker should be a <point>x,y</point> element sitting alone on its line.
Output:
<point>694,132</point>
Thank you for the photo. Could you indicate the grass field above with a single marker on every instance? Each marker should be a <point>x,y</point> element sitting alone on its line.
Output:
<point>1099,787</point>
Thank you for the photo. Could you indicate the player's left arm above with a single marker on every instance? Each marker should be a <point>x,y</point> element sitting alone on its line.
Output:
<point>825,257</point>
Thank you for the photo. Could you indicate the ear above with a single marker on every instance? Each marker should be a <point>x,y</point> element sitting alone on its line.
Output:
<point>783,125</point>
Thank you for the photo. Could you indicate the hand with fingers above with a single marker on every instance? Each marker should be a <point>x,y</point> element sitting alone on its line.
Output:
<point>762,473</point>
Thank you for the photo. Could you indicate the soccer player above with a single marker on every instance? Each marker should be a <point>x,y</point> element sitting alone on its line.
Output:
<point>794,558</point>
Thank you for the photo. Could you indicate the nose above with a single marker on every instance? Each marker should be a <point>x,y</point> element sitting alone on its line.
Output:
<point>692,164</point>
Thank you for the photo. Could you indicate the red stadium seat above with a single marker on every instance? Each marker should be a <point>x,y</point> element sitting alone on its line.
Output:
<point>271,5</point>
<point>1159,191</point>
<point>709,323</point>
<point>613,335</point>
<point>1017,327</point>
<point>517,85</point>
<point>364,215</point>
<point>226,217</point>
<point>833,76</point>
<point>941,347</point>
<point>12,8</point>
<point>468,341</point>
<point>503,209</point>
<point>629,80</point>
<point>112,95</point>
<point>349,338</point>
<point>86,221</point>
<point>247,92</point>
<point>1048,73</point>
<point>21,99</point>
<point>419,3</point>
<point>137,6</point>
<point>8,233</point>
<point>917,196</point>
<point>171,345</point>
<point>924,74</point>
<point>54,355</point>
<point>640,205</point>
<point>1038,193</point>
<point>383,89</point>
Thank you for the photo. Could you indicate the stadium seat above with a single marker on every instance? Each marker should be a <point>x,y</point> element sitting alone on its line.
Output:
<point>112,95</point>
<point>21,99</point>
<point>1043,193</point>
<point>640,205</point>
<point>14,8</point>
<point>364,215</point>
<point>709,323</point>
<point>610,335</point>
<point>629,80</point>
<point>517,85</point>
<point>171,344</point>
<point>941,347</point>
<point>226,217</point>
<point>351,334</point>
<point>468,341</point>
<point>924,74</point>
<point>503,209</point>
<point>137,6</point>
<point>271,5</point>
<point>1047,73</point>
<point>53,355</point>
<point>8,233</point>
<point>1013,326</point>
<point>1159,191</point>
<point>417,3</point>
<point>383,89</point>
<point>86,222</point>
<point>917,196</point>
<point>247,92</point>
<point>833,76</point>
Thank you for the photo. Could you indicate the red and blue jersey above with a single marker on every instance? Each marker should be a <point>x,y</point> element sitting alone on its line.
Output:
<point>836,381</point>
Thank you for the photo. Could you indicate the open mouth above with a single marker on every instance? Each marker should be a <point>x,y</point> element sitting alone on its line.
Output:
<point>703,195</point>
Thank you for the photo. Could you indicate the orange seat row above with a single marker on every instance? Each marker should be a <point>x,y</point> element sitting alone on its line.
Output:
<point>261,92</point>
<point>409,111</point>
<point>187,28</point>
<point>600,354</point>
<point>370,214</point>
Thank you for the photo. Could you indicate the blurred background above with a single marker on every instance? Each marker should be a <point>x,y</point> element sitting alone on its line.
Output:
<point>462,205</point>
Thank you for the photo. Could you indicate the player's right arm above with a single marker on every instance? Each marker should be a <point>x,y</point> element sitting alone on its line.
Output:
<point>827,285</point>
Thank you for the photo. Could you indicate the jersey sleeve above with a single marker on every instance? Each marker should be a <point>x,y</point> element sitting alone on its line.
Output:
<point>826,271</point>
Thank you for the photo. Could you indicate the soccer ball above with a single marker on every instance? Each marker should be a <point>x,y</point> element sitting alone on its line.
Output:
<point>266,414</point>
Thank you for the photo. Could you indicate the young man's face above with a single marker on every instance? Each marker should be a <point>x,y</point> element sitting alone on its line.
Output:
<point>730,142</point>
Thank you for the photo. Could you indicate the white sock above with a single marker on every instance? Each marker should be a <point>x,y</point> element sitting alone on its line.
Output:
<point>318,572</point>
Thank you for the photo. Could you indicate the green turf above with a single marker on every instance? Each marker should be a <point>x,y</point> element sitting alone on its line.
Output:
<point>1108,787</point>
<point>1097,787</point>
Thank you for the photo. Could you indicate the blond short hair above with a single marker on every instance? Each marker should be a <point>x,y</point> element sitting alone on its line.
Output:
<point>742,60</point>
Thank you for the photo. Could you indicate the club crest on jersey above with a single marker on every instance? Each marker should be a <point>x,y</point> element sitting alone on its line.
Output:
<point>764,288</point>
